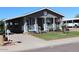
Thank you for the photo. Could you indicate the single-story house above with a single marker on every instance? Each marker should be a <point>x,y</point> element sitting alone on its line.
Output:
<point>42,20</point>
<point>72,23</point>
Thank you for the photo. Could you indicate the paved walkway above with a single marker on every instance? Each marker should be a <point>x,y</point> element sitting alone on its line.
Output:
<point>64,41</point>
<point>30,42</point>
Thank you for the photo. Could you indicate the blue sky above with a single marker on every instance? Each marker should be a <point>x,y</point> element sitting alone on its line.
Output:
<point>8,12</point>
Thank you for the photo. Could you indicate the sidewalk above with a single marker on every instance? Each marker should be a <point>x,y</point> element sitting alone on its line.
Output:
<point>64,41</point>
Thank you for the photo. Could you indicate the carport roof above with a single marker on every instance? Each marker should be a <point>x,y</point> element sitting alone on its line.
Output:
<point>71,19</point>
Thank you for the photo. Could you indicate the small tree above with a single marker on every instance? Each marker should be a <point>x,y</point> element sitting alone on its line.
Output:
<point>63,28</point>
<point>77,16</point>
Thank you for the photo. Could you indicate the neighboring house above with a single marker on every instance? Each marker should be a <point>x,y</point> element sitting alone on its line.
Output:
<point>41,20</point>
<point>72,23</point>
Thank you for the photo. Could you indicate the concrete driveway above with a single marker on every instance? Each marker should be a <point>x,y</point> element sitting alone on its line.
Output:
<point>28,42</point>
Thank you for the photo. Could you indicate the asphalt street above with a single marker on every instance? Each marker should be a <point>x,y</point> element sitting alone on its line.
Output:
<point>73,47</point>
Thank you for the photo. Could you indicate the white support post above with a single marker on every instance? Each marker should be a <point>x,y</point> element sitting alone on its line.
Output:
<point>54,25</point>
<point>5,27</point>
<point>45,25</point>
<point>36,25</point>
<point>7,31</point>
<point>72,24</point>
<point>61,23</point>
<point>66,24</point>
<point>25,28</point>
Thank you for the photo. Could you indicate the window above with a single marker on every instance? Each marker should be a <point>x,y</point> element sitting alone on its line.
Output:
<point>16,23</point>
<point>11,23</point>
<point>31,21</point>
<point>45,13</point>
<point>49,21</point>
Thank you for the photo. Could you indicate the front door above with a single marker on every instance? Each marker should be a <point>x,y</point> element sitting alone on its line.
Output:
<point>40,22</point>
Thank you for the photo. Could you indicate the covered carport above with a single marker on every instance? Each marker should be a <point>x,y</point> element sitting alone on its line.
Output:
<point>15,26</point>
